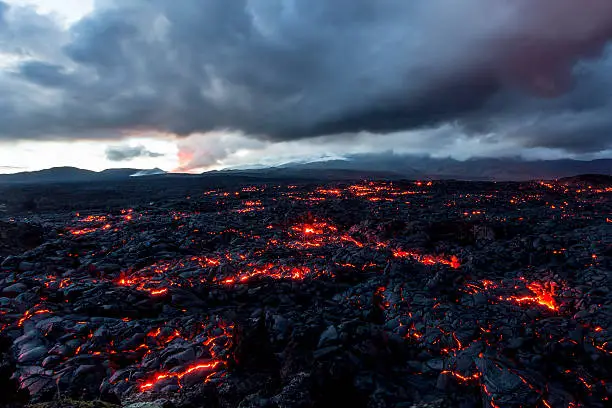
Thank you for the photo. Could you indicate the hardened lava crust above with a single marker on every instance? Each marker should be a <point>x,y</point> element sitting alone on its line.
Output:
<point>278,295</point>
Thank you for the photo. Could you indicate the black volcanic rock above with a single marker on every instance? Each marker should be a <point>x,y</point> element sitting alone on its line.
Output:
<point>175,292</point>
<point>588,179</point>
<point>17,237</point>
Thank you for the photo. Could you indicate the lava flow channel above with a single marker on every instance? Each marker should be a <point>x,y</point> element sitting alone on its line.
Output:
<point>544,296</point>
<point>141,279</point>
<point>209,366</point>
<point>453,262</point>
<point>29,314</point>
<point>270,270</point>
<point>140,284</point>
<point>86,231</point>
<point>315,234</point>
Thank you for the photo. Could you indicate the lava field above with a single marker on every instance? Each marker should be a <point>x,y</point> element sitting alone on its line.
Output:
<point>365,294</point>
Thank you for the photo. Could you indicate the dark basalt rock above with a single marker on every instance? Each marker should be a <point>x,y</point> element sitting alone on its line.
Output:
<point>17,237</point>
<point>313,295</point>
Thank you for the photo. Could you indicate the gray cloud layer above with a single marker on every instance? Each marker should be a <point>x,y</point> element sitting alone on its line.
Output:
<point>534,71</point>
<point>126,153</point>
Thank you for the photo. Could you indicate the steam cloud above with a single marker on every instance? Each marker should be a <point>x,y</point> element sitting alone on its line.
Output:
<point>126,153</point>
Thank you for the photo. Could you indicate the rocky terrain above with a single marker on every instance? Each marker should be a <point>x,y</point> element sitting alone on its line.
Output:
<point>365,294</point>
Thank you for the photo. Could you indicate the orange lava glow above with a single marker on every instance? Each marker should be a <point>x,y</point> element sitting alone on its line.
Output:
<point>212,365</point>
<point>335,192</point>
<point>94,218</point>
<point>460,377</point>
<point>270,270</point>
<point>453,262</point>
<point>544,296</point>
<point>29,314</point>
<point>380,294</point>
<point>603,348</point>
<point>83,231</point>
<point>141,280</point>
<point>86,231</point>
<point>317,234</point>
<point>163,336</point>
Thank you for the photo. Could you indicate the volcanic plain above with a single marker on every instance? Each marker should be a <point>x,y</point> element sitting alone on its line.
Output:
<point>307,294</point>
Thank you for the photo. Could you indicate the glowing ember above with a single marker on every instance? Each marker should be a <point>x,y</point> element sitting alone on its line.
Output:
<point>603,348</point>
<point>478,287</point>
<point>379,298</point>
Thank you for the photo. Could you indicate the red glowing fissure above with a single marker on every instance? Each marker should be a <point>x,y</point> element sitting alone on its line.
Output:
<point>212,365</point>
<point>544,296</point>
<point>453,262</point>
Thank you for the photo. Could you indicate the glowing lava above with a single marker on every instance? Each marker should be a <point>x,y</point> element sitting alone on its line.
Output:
<point>142,280</point>
<point>29,314</point>
<point>544,296</point>
<point>318,234</point>
<point>453,262</point>
<point>272,271</point>
<point>209,366</point>
<point>461,377</point>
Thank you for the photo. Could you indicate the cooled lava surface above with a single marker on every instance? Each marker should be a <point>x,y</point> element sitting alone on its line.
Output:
<point>366,294</point>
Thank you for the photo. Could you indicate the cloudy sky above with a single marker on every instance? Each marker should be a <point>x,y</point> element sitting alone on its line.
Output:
<point>199,84</point>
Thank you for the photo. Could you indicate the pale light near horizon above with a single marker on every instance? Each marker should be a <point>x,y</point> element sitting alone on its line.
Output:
<point>90,155</point>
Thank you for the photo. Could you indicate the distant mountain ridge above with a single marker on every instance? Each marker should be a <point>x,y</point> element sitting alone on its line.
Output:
<point>494,169</point>
<point>389,166</point>
<point>68,174</point>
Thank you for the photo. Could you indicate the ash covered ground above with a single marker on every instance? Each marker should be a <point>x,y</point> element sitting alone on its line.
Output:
<point>361,294</point>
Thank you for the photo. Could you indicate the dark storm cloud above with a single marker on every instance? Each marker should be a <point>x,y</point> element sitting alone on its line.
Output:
<point>126,153</point>
<point>447,102</point>
<point>45,74</point>
<point>280,70</point>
